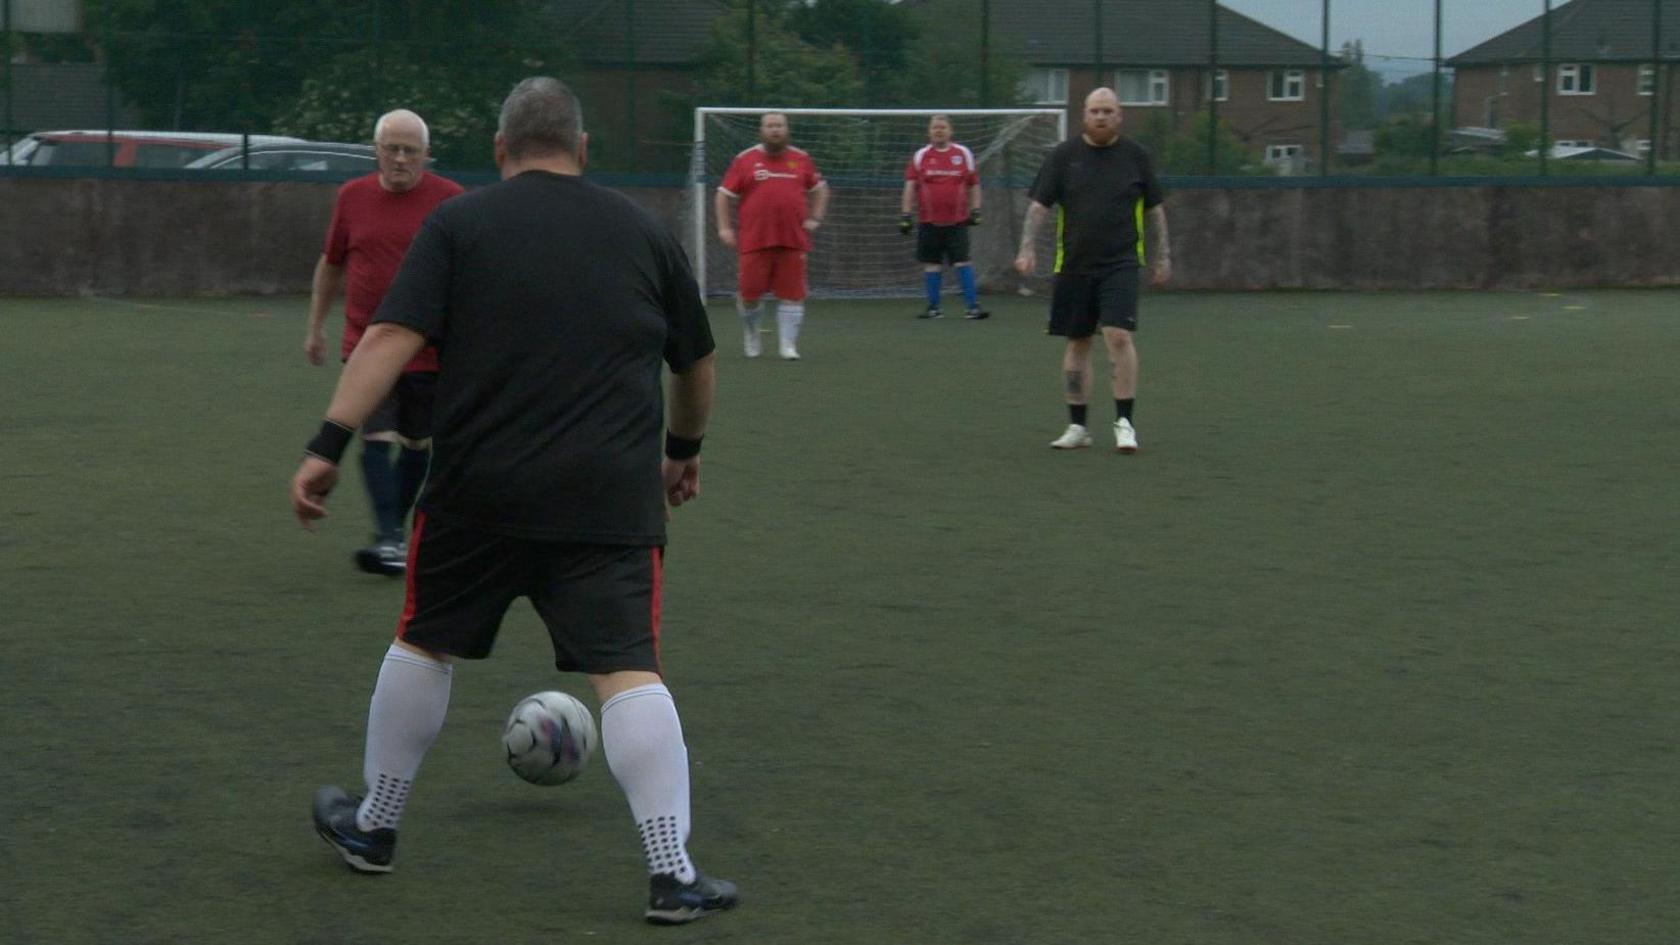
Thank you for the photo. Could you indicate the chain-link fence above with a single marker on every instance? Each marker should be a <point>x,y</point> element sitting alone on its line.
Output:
<point>1214,90</point>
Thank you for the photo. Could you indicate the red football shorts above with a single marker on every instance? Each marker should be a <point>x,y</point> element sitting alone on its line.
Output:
<point>779,272</point>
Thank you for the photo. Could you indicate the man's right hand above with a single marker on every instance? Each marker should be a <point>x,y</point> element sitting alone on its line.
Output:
<point>682,479</point>
<point>315,347</point>
<point>906,224</point>
<point>1026,262</point>
<point>726,237</point>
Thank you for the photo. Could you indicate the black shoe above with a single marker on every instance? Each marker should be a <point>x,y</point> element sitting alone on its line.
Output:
<point>389,558</point>
<point>976,313</point>
<point>673,903</point>
<point>367,851</point>
<point>932,312</point>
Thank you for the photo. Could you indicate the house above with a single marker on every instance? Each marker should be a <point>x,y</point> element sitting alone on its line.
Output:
<point>1599,82</point>
<point>1157,55</point>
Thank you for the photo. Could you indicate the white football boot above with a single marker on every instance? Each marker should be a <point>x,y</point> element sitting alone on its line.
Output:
<point>1125,438</point>
<point>1075,437</point>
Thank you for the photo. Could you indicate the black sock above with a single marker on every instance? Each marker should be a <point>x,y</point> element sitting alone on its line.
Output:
<point>1076,413</point>
<point>1123,408</point>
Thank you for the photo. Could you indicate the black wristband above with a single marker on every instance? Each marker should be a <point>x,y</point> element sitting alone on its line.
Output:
<point>329,444</point>
<point>680,448</point>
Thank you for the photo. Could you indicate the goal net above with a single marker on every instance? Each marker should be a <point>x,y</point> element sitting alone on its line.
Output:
<point>862,154</point>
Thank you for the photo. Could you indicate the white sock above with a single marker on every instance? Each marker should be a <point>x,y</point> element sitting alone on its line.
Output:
<point>749,314</point>
<point>789,315</point>
<point>406,714</point>
<point>642,738</point>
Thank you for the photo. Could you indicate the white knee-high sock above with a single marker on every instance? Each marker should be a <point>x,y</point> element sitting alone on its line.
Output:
<point>749,313</point>
<point>642,738</point>
<point>409,704</point>
<point>789,316</point>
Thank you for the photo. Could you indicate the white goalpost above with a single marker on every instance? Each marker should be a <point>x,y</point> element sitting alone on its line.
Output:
<point>862,153</point>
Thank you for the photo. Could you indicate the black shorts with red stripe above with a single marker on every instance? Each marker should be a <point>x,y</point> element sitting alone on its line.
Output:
<point>599,602</point>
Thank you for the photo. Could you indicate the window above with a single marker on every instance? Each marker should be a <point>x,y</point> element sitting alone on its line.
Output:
<point>1282,153</point>
<point>1575,78</point>
<point>1573,143</point>
<point>1539,74</point>
<point>1221,86</point>
<point>1046,87</point>
<point>1502,85</point>
<point>1141,86</point>
<point>1642,146</point>
<point>1287,85</point>
<point>1647,80</point>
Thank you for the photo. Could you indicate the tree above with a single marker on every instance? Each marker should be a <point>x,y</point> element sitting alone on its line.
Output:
<point>878,33</point>
<point>1358,89</point>
<point>779,68</point>
<point>1186,150</point>
<point>945,67</point>
<point>322,67</point>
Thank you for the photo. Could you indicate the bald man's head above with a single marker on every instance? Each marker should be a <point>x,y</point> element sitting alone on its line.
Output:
<point>1102,116</point>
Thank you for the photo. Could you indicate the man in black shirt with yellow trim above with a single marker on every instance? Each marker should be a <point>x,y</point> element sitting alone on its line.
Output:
<point>554,304</point>
<point>1108,198</point>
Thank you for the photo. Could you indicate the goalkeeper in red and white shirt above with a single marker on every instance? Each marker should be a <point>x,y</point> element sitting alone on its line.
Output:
<point>943,184</point>
<point>771,181</point>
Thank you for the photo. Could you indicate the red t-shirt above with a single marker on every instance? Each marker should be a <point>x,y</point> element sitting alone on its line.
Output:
<point>772,191</point>
<point>942,180</point>
<point>370,231</point>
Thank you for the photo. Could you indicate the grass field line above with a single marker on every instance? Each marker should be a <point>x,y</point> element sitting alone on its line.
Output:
<point>157,307</point>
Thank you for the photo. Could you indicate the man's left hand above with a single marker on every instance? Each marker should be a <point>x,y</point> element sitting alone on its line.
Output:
<point>811,223</point>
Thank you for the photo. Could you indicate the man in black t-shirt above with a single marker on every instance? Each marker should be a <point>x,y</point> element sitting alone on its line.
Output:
<point>1105,189</point>
<point>554,304</point>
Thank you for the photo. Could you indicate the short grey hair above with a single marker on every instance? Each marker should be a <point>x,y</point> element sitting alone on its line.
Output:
<point>398,115</point>
<point>541,116</point>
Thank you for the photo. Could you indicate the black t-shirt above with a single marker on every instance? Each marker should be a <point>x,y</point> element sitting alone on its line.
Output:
<point>1102,193</point>
<point>552,302</point>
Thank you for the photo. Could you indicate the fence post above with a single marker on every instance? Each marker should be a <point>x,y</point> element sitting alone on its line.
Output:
<point>1656,86</point>
<point>1097,43</point>
<point>6,32</point>
<point>110,87</point>
<point>752,49</point>
<point>630,84</point>
<point>1545,88</point>
<point>1324,95</point>
<point>1212,87</point>
<point>1435,100</point>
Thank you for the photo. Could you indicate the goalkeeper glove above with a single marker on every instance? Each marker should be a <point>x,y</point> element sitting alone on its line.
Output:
<point>905,224</point>
<point>974,217</point>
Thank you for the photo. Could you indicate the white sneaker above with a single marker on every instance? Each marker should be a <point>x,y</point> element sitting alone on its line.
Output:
<point>1074,438</point>
<point>750,342</point>
<point>1125,438</point>
<point>789,352</point>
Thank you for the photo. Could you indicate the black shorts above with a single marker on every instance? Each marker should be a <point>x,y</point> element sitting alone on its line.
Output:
<point>938,244</point>
<point>406,411</point>
<point>599,602</point>
<point>1081,303</point>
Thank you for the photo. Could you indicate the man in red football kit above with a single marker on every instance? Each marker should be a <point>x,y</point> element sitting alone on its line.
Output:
<point>771,181</point>
<point>374,220</point>
<point>943,183</point>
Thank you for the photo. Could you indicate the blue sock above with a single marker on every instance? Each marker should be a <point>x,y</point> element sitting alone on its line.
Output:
<point>934,280</point>
<point>970,286</point>
<point>381,480</point>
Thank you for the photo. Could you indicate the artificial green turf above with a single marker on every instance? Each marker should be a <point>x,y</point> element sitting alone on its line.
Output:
<point>1373,642</point>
